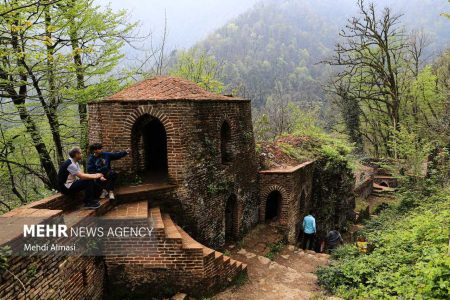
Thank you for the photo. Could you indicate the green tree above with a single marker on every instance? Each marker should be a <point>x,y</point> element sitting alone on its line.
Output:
<point>54,56</point>
<point>199,68</point>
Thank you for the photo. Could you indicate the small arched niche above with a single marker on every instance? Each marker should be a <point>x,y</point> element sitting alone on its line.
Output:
<point>225,143</point>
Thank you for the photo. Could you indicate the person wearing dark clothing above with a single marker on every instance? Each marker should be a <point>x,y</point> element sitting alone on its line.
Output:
<point>100,162</point>
<point>334,239</point>
<point>72,180</point>
<point>309,231</point>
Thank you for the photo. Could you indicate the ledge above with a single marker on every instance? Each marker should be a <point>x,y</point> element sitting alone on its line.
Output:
<point>287,169</point>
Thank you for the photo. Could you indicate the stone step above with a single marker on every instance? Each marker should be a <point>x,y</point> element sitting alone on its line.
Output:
<point>218,256</point>
<point>145,187</point>
<point>383,193</point>
<point>244,267</point>
<point>170,228</point>
<point>378,187</point>
<point>155,218</point>
<point>188,241</point>
<point>73,217</point>
<point>226,259</point>
<point>142,191</point>
<point>128,210</point>
<point>233,263</point>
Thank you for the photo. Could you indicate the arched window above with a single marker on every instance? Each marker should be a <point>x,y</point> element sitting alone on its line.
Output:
<point>225,143</point>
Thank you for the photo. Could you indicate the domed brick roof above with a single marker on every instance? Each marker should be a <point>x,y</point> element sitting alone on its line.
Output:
<point>166,88</point>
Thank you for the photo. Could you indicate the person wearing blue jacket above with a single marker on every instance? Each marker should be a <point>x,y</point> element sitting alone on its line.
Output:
<point>100,162</point>
<point>309,230</point>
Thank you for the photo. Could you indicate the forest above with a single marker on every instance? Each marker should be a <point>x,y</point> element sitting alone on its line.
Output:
<point>376,85</point>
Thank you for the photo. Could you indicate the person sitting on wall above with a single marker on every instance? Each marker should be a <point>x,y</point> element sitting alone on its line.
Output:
<point>100,162</point>
<point>334,239</point>
<point>72,180</point>
<point>309,231</point>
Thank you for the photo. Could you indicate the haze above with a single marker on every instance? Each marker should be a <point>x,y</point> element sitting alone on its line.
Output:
<point>188,20</point>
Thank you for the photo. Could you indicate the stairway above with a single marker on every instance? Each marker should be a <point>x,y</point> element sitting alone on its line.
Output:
<point>215,264</point>
<point>382,191</point>
<point>170,257</point>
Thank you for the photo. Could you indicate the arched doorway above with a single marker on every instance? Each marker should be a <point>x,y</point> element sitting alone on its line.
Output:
<point>149,148</point>
<point>231,219</point>
<point>225,143</point>
<point>273,206</point>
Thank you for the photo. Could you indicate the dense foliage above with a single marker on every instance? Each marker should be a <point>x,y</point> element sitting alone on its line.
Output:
<point>410,252</point>
<point>55,57</point>
<point>382,87</point>
<point>333,179</point>
<point>276,47</point>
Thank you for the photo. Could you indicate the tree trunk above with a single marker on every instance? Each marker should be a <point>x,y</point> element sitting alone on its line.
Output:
<point>79,72</point>
<point>39,145</point>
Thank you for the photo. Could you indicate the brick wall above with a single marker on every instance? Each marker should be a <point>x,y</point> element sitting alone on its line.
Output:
<point>53,277</point>
<point>203,183</point>
<point>47,276</point>
<point>295,187</point>
<point>154,265</point>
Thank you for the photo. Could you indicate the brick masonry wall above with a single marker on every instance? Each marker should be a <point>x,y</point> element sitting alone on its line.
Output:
<point>204,184</point>
<point>365,188</point>
<point>295,189</point>
<point>48,276</point>
<point>53,277</point>
<point>153,264</point>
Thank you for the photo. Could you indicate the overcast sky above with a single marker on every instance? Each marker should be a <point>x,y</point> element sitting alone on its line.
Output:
<point>188,20</point>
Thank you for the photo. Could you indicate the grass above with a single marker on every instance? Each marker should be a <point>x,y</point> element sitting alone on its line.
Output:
<point>275,249</point>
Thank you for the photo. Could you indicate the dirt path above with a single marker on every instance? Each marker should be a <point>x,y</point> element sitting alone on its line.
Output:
<point>290,275</point>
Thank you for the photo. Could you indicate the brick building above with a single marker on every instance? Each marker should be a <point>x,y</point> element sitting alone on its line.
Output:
<point>201,143</point>
<point>193,154</point>
<point>285,196</point>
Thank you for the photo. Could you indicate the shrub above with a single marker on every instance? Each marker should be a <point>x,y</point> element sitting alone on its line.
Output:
<point>410,253</point>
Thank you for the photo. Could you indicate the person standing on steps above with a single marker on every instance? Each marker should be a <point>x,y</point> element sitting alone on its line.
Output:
<point>100,162</point>
<point>72,180</point>
<point>309,231</point>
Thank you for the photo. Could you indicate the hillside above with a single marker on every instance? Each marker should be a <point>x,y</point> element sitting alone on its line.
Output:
<point>275,48</point>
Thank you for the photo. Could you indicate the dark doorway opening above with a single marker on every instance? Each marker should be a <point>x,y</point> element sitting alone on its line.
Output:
<point>384,183</point>
<point>302,203</point>
<point>273,206</point>
<point>150,148</point>
<point>225,143</point>
<point>231,219</point>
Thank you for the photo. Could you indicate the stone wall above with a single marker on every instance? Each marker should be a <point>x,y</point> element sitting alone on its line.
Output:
<point>364,188</point>
<point>295,186</point>
<point>333,195</point>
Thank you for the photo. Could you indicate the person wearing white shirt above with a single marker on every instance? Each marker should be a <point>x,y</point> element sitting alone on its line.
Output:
<point>71,179</point>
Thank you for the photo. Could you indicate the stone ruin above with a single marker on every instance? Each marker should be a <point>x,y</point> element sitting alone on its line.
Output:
<point>192,175</point>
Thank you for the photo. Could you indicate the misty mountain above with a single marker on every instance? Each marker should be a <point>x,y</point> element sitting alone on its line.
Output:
<point>275,48</point>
